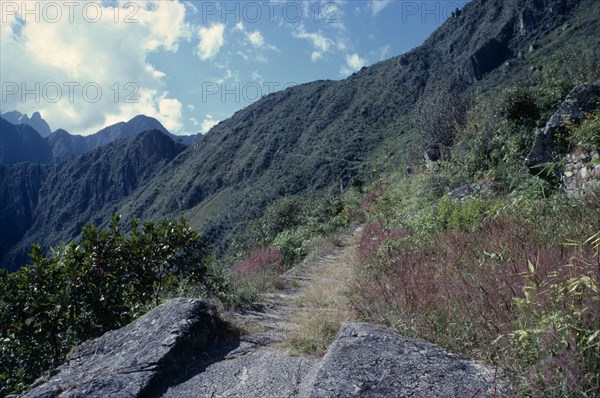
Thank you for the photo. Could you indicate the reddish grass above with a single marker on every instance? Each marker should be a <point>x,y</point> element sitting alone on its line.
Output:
<point>461,290</point>
<point>258,261</point>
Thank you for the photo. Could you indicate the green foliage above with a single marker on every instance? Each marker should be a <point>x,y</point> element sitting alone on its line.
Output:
<point>84,289</point>
<point>291,224</point>
<point>587,136</point>
<point>461,215</point>
<point>518,104</point>
<point>576,64</point>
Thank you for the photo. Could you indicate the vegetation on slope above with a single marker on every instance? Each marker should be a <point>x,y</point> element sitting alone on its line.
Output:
<point>509,274</point>
<point>81,290</point>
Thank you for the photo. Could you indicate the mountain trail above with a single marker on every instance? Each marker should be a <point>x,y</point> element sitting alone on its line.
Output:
<point>270,358</point>
<point>313,295</point>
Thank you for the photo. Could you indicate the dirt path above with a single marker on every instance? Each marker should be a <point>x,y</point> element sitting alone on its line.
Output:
<point>305,315</point>
<point>277,354</point>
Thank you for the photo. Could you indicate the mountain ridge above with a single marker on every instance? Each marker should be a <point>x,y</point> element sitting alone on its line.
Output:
<point>97,181</point>
<point>61,145</point>
<point>325,136</point>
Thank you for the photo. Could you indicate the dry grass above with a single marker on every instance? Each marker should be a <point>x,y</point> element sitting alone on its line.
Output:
<point>323,307</point>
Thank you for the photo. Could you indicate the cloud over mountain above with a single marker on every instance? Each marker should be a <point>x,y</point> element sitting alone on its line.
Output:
<point>54,55</point>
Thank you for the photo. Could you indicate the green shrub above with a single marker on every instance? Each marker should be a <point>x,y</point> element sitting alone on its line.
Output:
<point>462,215</point>
<point>81,290</point>
<point>587,136</point>
<point>518,104</point>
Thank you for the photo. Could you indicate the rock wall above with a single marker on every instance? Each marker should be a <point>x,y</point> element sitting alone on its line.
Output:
<point>581,172</point>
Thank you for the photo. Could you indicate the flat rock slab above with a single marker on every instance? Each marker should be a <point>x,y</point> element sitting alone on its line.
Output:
<point>128,362</point>
<point>263,373</point>
<point>181,349</point>
<point>367,360</point>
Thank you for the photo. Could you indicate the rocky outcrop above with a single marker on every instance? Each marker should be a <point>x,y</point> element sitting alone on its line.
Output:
<point>549,143</point>
<point>129,362</point>
<point>179,350</point>
<point>488,57</point>
<point>581,173</point>
<point>371,361</point>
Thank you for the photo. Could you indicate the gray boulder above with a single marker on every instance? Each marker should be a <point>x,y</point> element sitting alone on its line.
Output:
<point>368,360</point>
<point>131,361</point>
<point>547,145</point>
<point>175,351</point>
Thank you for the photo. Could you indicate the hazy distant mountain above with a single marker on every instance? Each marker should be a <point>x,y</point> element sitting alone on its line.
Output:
<point>61,145</point>
<point>61,198</point>
<point>22,143</point>
<point>36,121</point>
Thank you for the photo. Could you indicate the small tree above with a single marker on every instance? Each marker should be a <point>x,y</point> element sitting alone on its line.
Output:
<point>440,113</point>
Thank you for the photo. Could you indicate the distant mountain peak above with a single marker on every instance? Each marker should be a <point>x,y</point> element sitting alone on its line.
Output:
<point>36,121</point>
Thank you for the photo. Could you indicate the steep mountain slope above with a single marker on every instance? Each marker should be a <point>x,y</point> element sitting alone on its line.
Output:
<point>36,121</point>
<point>323,135</point>
<point>326,135</point>
<point>22,143</point>
<point>89,188</point>
<point>18,200</point>
<point>64,145</point>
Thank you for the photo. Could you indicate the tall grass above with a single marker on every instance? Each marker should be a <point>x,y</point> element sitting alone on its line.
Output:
<point>513,291</point>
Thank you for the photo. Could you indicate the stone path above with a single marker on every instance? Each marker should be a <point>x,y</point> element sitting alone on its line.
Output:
<point>275,318</point>
<point>258,365</point>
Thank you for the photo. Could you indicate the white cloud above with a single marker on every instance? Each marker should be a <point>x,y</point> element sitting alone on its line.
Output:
<point>353,63</point>
<point>378,5</point>
<point>256,39</point>
<point>109,55</point>
<point>211,41</point>
<point>384,52</point>
<point>170,110</point>
<point>320,43</point>
<point>208,123</point>
<point>257,77</point>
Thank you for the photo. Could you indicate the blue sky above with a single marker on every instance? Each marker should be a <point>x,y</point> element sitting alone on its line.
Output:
<point>190,64</point>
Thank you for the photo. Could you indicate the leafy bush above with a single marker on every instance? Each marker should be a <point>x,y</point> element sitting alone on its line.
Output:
<point>462,215</point>
<point>84,289</point>
<point>291,224</point>
<point>587,136</point>
<point>518,104</point>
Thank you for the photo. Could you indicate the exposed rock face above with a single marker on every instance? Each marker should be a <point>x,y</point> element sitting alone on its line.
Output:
<point>465,191</point>
<point>371,361</point>
<point>175,351</point>
<point>547,145</point>
<point>488,57</point>
<point>581,173</point>
<point>19,198</point>
<point>129,361</point>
